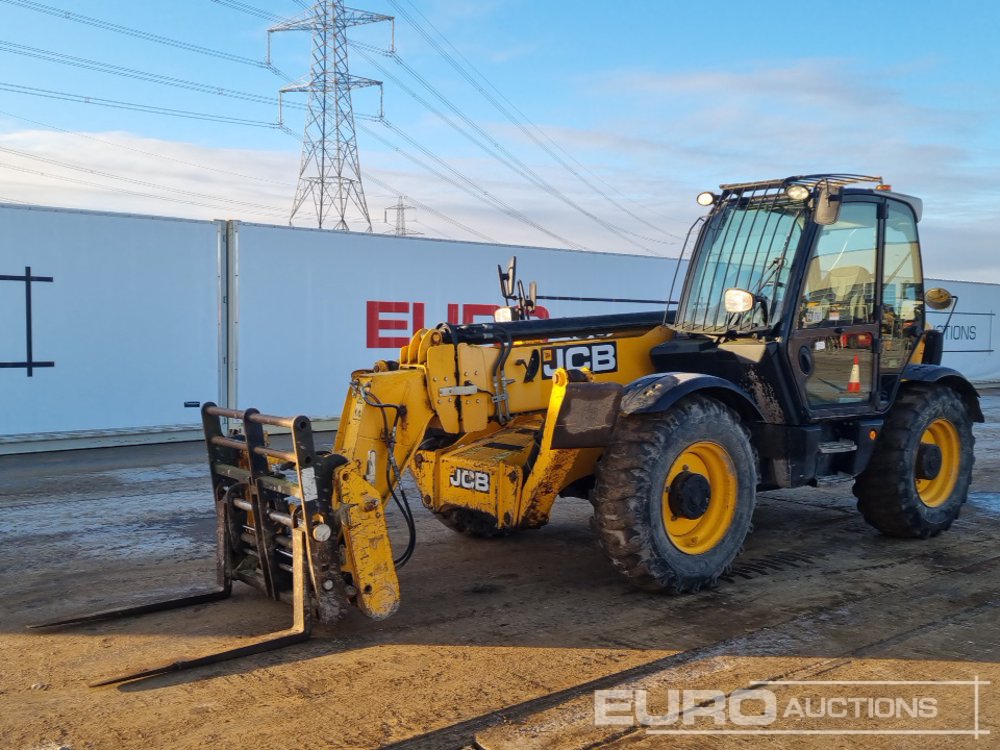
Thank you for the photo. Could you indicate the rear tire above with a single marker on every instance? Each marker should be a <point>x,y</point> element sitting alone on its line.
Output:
<point>892,496</point>
<point>651,536</point>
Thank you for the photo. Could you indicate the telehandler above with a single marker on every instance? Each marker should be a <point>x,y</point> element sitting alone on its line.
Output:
<point>798,354</point>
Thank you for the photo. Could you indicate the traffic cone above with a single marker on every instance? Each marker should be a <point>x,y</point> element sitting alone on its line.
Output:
<point>854,383</point>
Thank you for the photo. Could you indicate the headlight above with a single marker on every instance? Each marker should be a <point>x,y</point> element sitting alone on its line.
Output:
<point>707,198</point>
<point>503,314</point>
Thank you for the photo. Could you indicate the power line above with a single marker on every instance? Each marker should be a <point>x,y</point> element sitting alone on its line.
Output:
<point>249,9</point>
<point>514,120</point>
<point>511,161</point>
<point>400,207</point>
<point>154,154</point>
<point>142,75</point>
<point>505,111</point>
<point>131,180</point>
<point>88,183</point>
<point>132,106</point>
<point>148,36</point>
<point>137,33</point>
<point>423,206</point>
<point>491,146</point>
<point>182,113</point>
<point>273,211</point>
<point>168,80</point>
<point>330,169</point>
<point>463,182</point>
<point>436,230</point>
<point>435,212</point>
<point>476,191</point>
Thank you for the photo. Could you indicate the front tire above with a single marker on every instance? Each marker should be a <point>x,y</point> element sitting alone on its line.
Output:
<point>918,478</point>
<point>675,495</point>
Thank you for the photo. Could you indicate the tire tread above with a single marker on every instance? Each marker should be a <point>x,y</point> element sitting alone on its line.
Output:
<point>623,482</point>
<point>887,498</point>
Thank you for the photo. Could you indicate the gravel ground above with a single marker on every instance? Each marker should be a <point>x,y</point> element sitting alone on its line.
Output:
<point>498,643</point>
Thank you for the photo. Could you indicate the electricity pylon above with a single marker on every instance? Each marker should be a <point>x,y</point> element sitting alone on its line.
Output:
<point>400,209</point>
<point>330,172</point>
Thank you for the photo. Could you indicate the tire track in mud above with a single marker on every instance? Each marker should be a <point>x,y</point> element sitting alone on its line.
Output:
<point>632,735</point>
<point>799,631</point>
<point>811,554</point>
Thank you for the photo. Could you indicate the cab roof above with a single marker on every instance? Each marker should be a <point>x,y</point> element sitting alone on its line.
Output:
<point>850,183</point>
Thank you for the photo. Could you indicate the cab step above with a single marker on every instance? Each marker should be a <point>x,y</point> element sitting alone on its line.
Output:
<point>838,446</point>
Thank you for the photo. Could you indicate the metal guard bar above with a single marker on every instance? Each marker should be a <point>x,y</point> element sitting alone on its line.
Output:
<point>256,417</point>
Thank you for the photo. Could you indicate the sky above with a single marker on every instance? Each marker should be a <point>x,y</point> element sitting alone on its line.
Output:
<point>617,115</point>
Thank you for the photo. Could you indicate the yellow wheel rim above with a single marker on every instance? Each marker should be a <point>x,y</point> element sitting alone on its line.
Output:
<point>695,536</point>
<point>934,492</point>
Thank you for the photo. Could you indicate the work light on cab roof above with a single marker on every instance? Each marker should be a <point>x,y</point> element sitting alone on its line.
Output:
<point>797,192</point>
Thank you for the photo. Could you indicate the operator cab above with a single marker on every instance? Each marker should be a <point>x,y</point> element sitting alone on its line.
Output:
<point>811,284</point>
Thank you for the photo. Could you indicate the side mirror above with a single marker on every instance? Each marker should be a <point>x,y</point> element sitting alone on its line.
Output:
<point>827,205</point>
<point>532,295</point>
<point>938,298</point>
<point>738,300</point>
<point>508,278</point>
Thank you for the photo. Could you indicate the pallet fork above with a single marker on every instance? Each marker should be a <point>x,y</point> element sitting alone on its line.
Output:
<point>271,533</point>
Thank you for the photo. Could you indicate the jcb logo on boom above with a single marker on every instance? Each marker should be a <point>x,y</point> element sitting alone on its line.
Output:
<point>595,357</point>
<point>467,479</point>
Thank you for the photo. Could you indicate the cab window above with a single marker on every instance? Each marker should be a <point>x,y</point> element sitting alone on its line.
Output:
<point>839,286</point>
<point>902,287</point>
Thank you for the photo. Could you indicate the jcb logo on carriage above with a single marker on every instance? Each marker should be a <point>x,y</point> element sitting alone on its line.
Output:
<point>470,480</point>
<point>595,357</point>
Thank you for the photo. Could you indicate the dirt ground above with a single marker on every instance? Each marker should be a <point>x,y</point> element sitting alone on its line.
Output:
<point>498,644</point>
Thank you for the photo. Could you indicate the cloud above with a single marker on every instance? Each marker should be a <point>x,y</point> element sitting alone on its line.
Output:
<point>122,172</point>
<point>810,115</point>
<point>648,141</point>
<point>964,251</point>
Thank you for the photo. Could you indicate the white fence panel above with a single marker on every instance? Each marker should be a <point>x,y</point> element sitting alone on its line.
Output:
<point>129,321</point>
<point>128,328</point>
<point>968,341</point>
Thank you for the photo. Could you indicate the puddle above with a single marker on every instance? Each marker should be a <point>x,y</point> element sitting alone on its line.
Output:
<point>988,501</point>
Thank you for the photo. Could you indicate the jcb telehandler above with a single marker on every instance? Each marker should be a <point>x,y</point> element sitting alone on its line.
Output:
<point>798,354</point>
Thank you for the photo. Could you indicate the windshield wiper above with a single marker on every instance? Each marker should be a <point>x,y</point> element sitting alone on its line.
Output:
<point>772,275</point>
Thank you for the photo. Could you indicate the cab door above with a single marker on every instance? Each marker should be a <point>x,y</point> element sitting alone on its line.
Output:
<point>902,308</point>
<point>832,346</point>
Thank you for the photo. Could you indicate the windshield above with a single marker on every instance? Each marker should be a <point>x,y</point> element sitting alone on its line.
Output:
<point>748,245</point>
